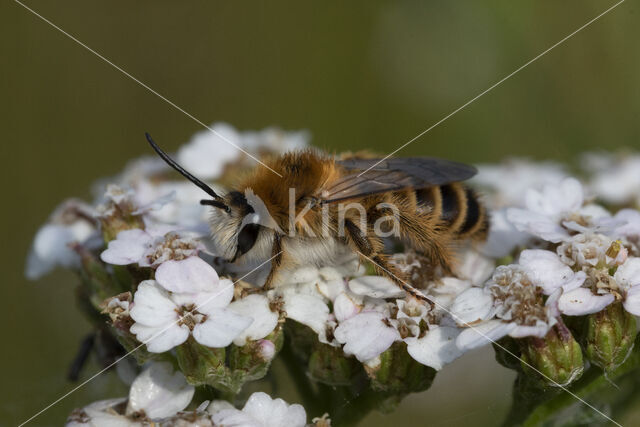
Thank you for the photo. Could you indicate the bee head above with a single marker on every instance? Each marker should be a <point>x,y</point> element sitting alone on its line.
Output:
<point>234,224</point>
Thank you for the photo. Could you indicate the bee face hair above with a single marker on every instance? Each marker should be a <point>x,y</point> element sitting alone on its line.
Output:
<point>231,236</point>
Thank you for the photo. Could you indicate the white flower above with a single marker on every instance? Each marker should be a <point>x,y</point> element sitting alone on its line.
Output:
<point>375,287</point>
<point>159,392</point>
<point>188,275</point>
<point>262,411</point>
<point>208,152</point>
<point>149,248</point>
<point>474,267</point>
<point>437,348</point>
<point>275,140</point>
<point>507,183</point>
<point>618,180</point>
<point>156,394</point>
<point>628,278</point>
<point>70,223</point>
<point>623,286</point>
<point>547,209</point>
<point>264,321</point>
<point>100,414</point>
<point>503,236</point>
<point>511,302</point>
<point>164,320</point>
<point>548,272</point>
<point>590,250</point>
<point>306,291</point>
<point>366,335</point>
<point>582,301</point>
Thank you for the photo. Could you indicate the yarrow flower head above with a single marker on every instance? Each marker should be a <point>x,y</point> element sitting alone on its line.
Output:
<point>513,302</point>
<point>146,256</point>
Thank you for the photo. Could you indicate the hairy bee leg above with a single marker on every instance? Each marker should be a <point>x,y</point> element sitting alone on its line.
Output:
<point>276,261</point>
<point>367,247</point>
<point>428,239</point>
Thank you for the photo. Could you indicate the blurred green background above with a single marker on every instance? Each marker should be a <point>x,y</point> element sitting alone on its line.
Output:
<point>357,75</point>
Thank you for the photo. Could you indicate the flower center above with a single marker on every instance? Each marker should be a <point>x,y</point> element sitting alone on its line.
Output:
<point>516,298</point>
<point>173,247</point>
<point>189,316</point>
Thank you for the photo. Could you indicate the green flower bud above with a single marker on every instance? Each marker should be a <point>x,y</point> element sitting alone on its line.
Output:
<point>119,214</point>
<point>228,369</point>
<point>610,337</point>
<point>329,365</point>
<point>557,356</point>
<point>202,365</point>
<point>398,373</point>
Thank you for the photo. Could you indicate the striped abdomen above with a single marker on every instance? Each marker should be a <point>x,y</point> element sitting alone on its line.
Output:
<point>458,209</point>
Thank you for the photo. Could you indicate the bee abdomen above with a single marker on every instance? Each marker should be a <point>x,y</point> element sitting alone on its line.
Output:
<point>457,208</point>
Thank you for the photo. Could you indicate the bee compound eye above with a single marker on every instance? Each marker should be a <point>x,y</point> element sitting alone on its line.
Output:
<point>247,238</point>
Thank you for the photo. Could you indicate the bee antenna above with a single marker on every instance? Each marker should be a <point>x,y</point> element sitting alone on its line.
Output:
<point>183,172</point>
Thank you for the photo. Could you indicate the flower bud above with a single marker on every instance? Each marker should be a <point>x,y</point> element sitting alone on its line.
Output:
<point>203,365</point>
<point>610,336</point>
<point>119,213</point>
<point>398,373</point>
<point>557,357</point>
<point>329,365</point>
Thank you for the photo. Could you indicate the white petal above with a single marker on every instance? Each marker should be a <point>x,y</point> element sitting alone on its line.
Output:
<point>257,308</point>
<point>330,289</point>
<point>208,152</point>
<point>221,328</point>
<point>437,348</point>
<point>483,334</point>
<point>160,338</point>
<point>576,280</point>
<point>128,247</point>
<point>102,414</point>
<point>475,267</point>
<point>471,306</point>
<point>365,335</point>
<point>308,310</point>
<point>217,298</point>
<point>530,331</point>
<point>274,412</point>
<point>503,237</point>
<point>628,274</point>
<point>375,287</point>
<point>537,224</point>
<point>235,418</point>
<point>344,307</point>
<point>152,305</point>
<point>50,249</point>
<point>582,301</point>
<point>556,199</point>
<point>192,274</point>
<point>631,220</point>
<point>545,269</point>
<point>159,392</point>
<point>632,301</point>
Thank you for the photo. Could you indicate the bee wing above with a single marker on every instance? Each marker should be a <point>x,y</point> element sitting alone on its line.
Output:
<point>393,174</point>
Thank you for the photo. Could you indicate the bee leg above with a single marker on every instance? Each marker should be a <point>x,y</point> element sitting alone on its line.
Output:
<point>428,238</point>
<point>370,249</point>
<point>84,351</point>
<point>276,260</point>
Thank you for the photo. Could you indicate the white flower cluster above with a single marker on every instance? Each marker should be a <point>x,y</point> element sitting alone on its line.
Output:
<point>159,396</point>
<point>589,261</point>
<point>551,251</point>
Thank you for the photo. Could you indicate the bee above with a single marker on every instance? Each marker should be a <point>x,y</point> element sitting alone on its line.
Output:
<point>311,212</point>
